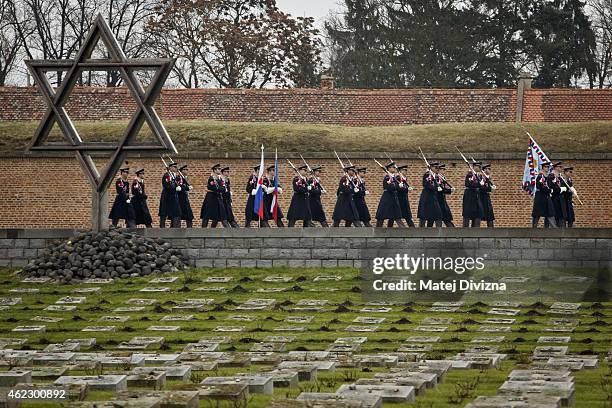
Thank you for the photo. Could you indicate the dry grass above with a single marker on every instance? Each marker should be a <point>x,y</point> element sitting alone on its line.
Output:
<point>216,136</point>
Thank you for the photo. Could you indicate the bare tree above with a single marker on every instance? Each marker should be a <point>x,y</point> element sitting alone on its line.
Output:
<point>601,11</point>
<point>10,41</point>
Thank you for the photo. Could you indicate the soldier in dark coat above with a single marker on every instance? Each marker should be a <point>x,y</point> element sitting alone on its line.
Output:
<point>269,196</point>
<point>346,208</point>
<point>122,206</point>
<point>359,198</point>
<point>139,201</point>
<point>249,211</point>
<point>485,196</point>
<point>472,206</point>
<point>558,188</point>
<point>169,206</point>
<point>227,198</point>
<point>316,207</point>
<point>183,196</point>
<point>567,204</point>
<point>542,202</point>
<point>299,209</point>
<point>429,211</point>
<point>402,196</point>
<point>212,207</point>
<point>447,189</point>
<point>389,206</point>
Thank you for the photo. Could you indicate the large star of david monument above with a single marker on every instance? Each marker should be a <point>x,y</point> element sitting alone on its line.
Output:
<point>144,98</point>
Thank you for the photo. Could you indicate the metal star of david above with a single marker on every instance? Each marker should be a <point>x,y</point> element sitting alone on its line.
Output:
<point>144,102</point>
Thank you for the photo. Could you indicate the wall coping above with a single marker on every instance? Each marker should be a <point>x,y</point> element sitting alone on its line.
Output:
<point>568,233</point>
<point>317,155</point>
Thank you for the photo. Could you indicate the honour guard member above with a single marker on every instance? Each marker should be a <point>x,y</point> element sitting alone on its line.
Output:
<point>542,202</point>
<point>389,206</point>
<point>142,215</point>
<point>183,196</point>
<point>359,197</point>
<point>429,211</point>
<point>558,188</point>
<point>485,196</point>
<point>447,215</point>
<point>169,206</point>
<point>269,196</point>
<point>567,204</point>
<point>299,209</point>
<point>472,206</point>
<point>227,198</point>
<point>122,207</point>
<point>402,195</point>
<point>249,211</point>
<point>212,206</point>
<point>346,208</point>
<point>316,207</point>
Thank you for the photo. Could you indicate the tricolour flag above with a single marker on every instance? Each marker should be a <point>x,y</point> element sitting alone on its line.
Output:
<point>258,205</point>
<point>533,163</point>
<point>274,207</point>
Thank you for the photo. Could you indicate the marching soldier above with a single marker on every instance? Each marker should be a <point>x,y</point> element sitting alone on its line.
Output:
<point>359,197</point>
<point>388,206</point>
<point>542,202</point>
<point>183,196</point>
<point>269,196</point>
<point>122,206</point>
<point>472,205</point>
<point>558,188</point>
<point>169,206</point>
<point>567,205</point>
<point>227,198</point>
<point>345,208</point>
<point>142,215</point>
<point>212,206</point>
<point>447,215</point>
<point>402,195</point>
<point>429,212</point>
<point>299,209</point>
<point>316,207</point>
<point>249,211</point>
<point>485,196</point>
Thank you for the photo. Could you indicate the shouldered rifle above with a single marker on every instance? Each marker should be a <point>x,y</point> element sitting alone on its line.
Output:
<point>313,175</point>
<point>344,171</point>
<point>425,160</point>
<point>294,168</point>
<point>572,189</point>
<point>384,168</point>
<point>465,160</point>
<point>179,172</point>
<point>167,168</point>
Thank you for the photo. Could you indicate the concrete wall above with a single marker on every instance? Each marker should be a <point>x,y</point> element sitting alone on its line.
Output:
<point>344,247</point>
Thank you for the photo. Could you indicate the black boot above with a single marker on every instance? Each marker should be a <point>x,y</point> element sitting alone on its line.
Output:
<point>367,224</point>
<point>400,223</point>
<point>379,223</point>
<point>324,224</point>
<point>336,223</point>
<point>204,223</point>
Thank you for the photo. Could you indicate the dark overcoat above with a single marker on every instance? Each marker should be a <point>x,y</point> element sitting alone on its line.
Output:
<point>183,196</point>
<point>169,206</point>
<point>472,206</point>
<point>359,199</point>
<point>429,206</point>
<point>139,203</point>
<point>299,209</point>
<point>212,206</point>
<point>122,210</point>
<point>388,206</point>
<point>345,208</point>
<point>542,202</point>
<point>485,198</point>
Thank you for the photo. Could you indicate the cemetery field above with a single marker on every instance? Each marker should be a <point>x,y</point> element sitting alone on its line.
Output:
<point>266,337</point>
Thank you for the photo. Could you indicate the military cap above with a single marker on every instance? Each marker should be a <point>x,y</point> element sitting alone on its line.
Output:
<point>216,166</point>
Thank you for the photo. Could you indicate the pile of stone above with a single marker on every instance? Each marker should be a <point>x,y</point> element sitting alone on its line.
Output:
<point>105,255</point>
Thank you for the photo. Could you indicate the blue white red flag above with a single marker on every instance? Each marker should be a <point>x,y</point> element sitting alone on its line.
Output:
<point>258,206</point>
<point>533,164</point>
<point>274,207</point>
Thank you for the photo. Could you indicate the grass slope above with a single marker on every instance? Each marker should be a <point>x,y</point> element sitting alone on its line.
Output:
<point>219,137</point>
<point>592,336</point>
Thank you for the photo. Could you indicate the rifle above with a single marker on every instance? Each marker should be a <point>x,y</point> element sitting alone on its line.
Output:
<point>572,189</point>
<point>294,168</point>
<point>313,176</point>
<point>465,160</point>
<point>384,169</point>
<point>167,168</point>
<point>399,174</point>
<point>170,158</point>
<point>344,171</point>
<point>425,160</point>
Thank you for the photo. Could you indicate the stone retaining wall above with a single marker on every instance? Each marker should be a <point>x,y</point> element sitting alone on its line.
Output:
<point>344,247</point>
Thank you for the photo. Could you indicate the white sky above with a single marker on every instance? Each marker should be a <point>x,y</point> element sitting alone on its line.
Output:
<point>319,9</point>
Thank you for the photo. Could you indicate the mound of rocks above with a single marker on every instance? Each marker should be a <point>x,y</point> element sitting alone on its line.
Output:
<point>106,254</point>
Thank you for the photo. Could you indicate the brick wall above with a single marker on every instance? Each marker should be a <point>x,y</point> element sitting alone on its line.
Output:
<point>53,193</point>
<point>357,107</point>
<point>350,247</point>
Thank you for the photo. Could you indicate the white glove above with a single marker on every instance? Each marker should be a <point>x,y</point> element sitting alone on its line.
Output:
<point>254,191</point>
<point>178,188</point>
<point>189,188</point>
<point>270,190</point>
<point>231,193</point>
<point>482,182</point>
<point>367,192</point>
<point>309,188</point>
<point>128,201</point>
<point>563,189</point>
<point>280,190</point>
<point>410,188</point>
<point>452,188</point>
<point>323,191</point>
<point>401,185</point>
<point>356,190</point>
<point>439,188</point>
<point>493,187</point>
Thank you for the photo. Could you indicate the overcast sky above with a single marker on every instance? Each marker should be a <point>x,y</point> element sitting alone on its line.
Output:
<point>319,9</point>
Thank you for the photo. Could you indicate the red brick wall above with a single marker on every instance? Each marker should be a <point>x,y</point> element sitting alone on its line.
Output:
<point>53,193</point>
<point>346,107</point>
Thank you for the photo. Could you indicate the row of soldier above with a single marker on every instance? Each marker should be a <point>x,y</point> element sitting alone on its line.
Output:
<point>553,201</point>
